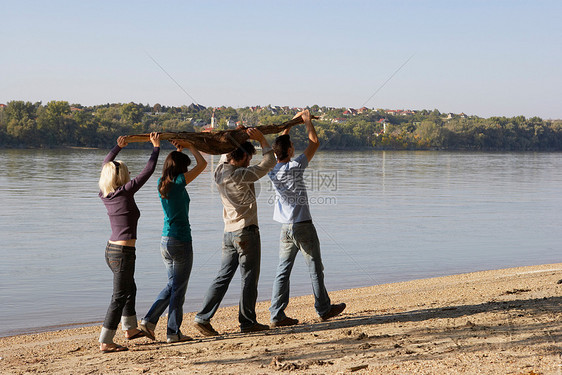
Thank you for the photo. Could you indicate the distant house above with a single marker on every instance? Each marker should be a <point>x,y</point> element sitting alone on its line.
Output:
<point>363,110</point>
<point>462,115</point>
<point>73,109</point>
<point>394,112</point>
<point>339,120</point>
<point>200,123</point>
<point>3,105</point>
<point>231,123</point>
<point>399,112</point>
<point>196,107</point>
<point>350,112</point>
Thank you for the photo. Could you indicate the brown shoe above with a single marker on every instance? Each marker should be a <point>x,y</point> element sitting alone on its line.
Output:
<point>334,311</point>
<point>285,322</point>
<point>257,327</point>
<point>206,329</point>
<point>114,349</point>
<point>178,338</point>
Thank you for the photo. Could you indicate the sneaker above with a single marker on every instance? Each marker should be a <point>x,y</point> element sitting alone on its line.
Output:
<point>334,311</point>
<point>285,322</point>
<point>206,329</point>
<point>257,327</point>
<point>178,338</point>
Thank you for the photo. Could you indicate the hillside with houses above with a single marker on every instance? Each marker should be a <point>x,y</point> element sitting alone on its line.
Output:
<point>61,124</point>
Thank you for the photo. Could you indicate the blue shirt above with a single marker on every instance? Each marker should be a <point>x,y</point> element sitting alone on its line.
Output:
<point>176,211</point>
<point>291,199</point>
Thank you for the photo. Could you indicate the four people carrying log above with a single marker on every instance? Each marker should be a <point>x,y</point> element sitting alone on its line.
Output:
<point>241,245</point>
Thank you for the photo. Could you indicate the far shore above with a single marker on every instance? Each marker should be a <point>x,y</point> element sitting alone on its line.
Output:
<point>491,322</point>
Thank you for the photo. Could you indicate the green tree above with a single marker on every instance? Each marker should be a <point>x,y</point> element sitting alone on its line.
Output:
<point>430,134</point>
<point>20,119</point>
<point>131,113</point>
<point>55,123</point>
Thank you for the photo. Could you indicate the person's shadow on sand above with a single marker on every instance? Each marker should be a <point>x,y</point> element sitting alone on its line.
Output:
<point>468,335</point>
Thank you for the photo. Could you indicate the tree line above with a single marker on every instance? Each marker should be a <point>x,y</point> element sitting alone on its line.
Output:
<point>61,124</point>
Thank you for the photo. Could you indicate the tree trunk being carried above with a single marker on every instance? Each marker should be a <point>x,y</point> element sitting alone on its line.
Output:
<point>217,142</point>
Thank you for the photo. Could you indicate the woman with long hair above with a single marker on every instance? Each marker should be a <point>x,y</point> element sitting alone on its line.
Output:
<point>176,244</point>
<point>117,193</point>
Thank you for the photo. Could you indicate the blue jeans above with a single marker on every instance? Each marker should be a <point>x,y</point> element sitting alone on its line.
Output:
<point>295,237</point>
<point>178,258</point>
<point>241,247</point>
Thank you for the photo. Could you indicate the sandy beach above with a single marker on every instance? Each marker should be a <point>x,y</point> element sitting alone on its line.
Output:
<point>491,322</point>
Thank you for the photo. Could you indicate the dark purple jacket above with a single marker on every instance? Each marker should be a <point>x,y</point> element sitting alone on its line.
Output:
<point>121,207</point>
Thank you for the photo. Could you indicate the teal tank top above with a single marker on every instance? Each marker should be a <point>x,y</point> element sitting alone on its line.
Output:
<point>176,211</point>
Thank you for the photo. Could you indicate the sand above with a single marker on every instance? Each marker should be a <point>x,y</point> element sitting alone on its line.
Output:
<point>492,322</point>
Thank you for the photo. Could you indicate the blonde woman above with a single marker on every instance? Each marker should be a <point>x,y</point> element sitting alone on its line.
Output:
<point>117,193</point>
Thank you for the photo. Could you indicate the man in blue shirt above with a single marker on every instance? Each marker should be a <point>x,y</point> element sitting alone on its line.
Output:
<point>298,231</point>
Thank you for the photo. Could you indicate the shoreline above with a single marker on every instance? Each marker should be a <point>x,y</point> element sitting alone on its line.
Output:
<point>500,321</point>
<point>65,326</point>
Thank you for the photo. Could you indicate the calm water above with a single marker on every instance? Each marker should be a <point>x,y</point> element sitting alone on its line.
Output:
<point>381,217</point>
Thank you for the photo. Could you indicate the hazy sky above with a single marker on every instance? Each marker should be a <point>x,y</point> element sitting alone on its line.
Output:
<point>483,58</point>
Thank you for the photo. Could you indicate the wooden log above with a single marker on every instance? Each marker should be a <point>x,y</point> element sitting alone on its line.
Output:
<point>217,142</point>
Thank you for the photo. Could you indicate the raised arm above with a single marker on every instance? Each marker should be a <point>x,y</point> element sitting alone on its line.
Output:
<point>288,128</point>
<point>257,135</point>
<point>255,172</point>
<point>136,183</point>
<point>313,143</point>
<point>201,162</point>
<point>121,143</point>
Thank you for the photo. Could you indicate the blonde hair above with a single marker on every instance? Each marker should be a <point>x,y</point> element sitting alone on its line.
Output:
<point>111,178</point>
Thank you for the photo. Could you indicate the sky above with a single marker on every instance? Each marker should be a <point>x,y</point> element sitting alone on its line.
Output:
<point>484,58</point>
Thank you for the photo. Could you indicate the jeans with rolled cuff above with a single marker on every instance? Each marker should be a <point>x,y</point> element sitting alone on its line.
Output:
<point>121,261</point>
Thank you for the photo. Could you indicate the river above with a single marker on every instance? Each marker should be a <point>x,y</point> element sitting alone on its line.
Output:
<point>381,217</point>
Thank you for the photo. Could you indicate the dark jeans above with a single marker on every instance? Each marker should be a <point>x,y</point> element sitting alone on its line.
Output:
<point>241,247</point>
<point>121,261</point>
